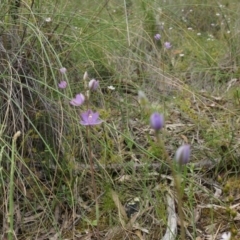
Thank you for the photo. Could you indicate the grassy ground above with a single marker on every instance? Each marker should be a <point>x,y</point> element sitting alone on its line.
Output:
<point>48,190</point>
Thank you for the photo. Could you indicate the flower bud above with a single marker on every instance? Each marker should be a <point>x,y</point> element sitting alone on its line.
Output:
<point>63,70</point>
<point>183,154</point>
<point>85,76</point>
<point>157,37</point>
<point>157,121</point>
<point>93,84</point>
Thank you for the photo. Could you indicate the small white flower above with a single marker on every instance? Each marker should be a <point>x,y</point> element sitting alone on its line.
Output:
<point>111,87</point>
<point>199,34</point>
<point>48,19</point>
<point>181,55</point>
<point>190,29</point>
<point>217,14</point>
<point>226,236</point>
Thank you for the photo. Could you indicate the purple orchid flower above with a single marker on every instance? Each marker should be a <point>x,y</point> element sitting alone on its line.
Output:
<point>167,45</point>
<point>78,100</point>
<point>62,84</point>
<point>89,118</point>
<point>157,37</point>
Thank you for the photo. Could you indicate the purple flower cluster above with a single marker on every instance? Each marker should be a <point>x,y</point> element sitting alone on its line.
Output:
<point>63,83</point>
<point>88,118</point>
<point>167,45</point>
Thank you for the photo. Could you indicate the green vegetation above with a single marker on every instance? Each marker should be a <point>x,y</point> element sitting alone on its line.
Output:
<point>61,179</point>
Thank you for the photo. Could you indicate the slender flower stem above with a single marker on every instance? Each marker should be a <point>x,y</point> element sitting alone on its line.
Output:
<point>177,182</point>
<point>93,178</point>
<point>11,189</point>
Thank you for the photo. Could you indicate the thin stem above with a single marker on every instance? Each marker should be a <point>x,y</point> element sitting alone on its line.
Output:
<point>93,178</point>
<point>11,190</point>
<point>126,18</point>
<point>177,182</point>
